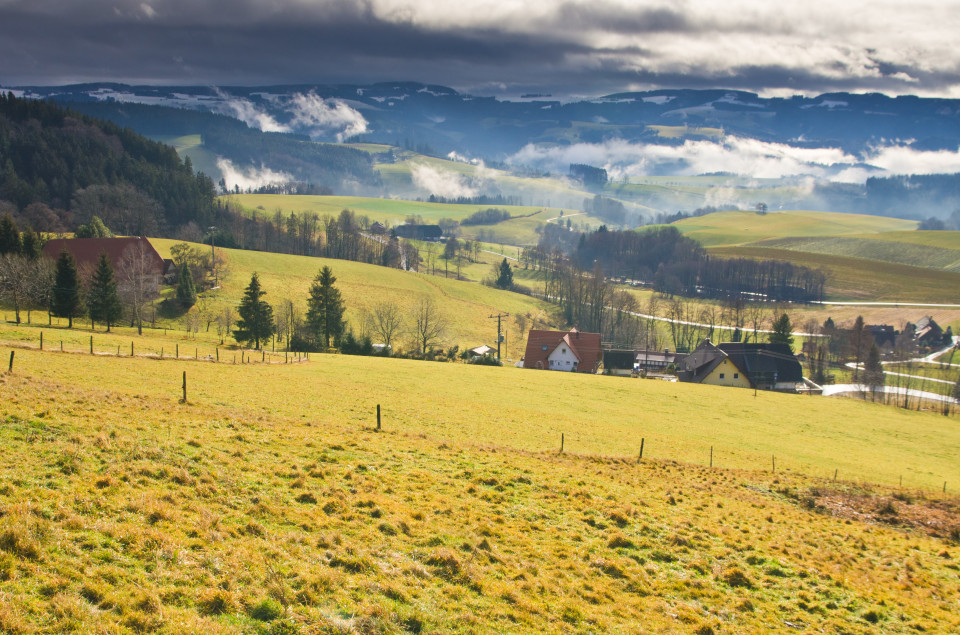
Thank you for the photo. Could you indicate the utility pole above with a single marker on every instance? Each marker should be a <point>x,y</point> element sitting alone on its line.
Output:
<point>499,316</point>
<point>213,256</point>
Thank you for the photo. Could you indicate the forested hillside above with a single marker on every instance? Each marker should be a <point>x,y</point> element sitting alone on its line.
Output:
<point>321,164</point>
<point>60,167</point>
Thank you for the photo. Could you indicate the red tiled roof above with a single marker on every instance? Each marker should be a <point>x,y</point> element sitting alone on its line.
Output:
<point>586,347</point>
<point>86,251</point>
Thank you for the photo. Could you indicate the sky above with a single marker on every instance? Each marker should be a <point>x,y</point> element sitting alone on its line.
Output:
<point>566,48</point>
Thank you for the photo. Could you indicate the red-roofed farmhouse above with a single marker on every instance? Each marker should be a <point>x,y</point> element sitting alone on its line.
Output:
<point>86,251</point>
<point>570,351</point>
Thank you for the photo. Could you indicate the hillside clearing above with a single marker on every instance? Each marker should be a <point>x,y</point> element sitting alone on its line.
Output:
<point>278,510</point>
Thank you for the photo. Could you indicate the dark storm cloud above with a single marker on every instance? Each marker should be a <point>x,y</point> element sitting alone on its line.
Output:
<point>566,47</point>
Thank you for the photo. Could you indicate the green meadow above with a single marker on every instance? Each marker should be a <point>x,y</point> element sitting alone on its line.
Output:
<point>269,502</point>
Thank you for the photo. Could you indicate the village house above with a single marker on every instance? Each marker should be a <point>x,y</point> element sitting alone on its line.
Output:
<point>754,365</point>
<point>620,363</point>
<point>928,332</point>
<point>657,360</point>
<point>569,351</point>
<point>419,232</point>
<point>86,252</point>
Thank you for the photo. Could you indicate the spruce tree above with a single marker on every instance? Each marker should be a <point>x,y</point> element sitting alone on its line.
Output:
<point>504,275</point>
<point>873,369</point>
<point>66,300</point>
<point>103,301</point>
<point>782,331</point>
<point>325,309</point>
<point>186,290</point>
<point>9,236</point>
<point>30,246</point>
<point>255,324</point>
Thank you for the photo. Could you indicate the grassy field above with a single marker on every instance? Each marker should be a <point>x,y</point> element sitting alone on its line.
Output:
<point>863,279</point>
<point>465,306</point>
<point>740,228</point>
<point>899,248</point>
<point>283,511</point>
<point>678,132</point>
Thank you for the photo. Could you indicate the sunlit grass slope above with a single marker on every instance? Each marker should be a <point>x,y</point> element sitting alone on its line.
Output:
<point>268,504</point>
<point>862,279</point>
<point>742,227</point>
<point>465,306</point>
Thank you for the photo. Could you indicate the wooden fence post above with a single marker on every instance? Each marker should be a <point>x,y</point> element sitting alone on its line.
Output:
<point>561,443</point>
<point>711,456</point>
<point>774,464</point>
<point>131,349</point>
<point>10,370</point>
<point>378,416</point>
<point>218,354</point>
<point>178,351</point>
<point>835,473</point>
<point>640,458</point>
<point>91,345</point>
<point>41,340</point>
<point>184,400</point>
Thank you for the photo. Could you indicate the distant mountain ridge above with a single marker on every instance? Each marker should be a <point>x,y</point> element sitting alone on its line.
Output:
<point>448,121</point>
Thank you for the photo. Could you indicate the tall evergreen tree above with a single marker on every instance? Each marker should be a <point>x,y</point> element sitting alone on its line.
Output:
<point>9,236</point>
<point>186,290</point>
<point>65,298</point>
<point>30,246</point>
<point>873,369</point>
<point>782,331</point>
<point>504,275</point>
<point>325,309</point>
<point>103,300</point>
<point>255,324</point>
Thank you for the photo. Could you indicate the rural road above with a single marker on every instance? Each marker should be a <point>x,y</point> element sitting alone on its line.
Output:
<point>838,389</point>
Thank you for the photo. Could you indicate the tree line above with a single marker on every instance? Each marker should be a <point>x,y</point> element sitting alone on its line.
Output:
<point>30,282</point>
<point>323,327</point>
<point>60,167</point>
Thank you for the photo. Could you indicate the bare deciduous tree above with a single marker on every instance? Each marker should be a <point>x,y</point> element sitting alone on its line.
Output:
<point>138,282</point>
<point>24,283</point>
<point>428,325</point>
<point>385,322</point>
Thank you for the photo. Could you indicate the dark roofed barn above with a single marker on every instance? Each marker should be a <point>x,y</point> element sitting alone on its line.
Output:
<point>86,251</point>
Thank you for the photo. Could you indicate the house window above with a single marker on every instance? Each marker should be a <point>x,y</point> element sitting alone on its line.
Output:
<point>544,347</point>
<point>721,375</point>
<point>736,375</point>
<point>564,350</point>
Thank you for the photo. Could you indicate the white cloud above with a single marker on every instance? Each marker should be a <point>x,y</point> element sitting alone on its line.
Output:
<point>247,112</point>
<point>441,182</point>
<point>321,117</point>
<point>739,155</point>
<point>249,177</point>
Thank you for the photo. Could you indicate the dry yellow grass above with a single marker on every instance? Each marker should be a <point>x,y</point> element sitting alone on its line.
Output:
<point>268,504</point>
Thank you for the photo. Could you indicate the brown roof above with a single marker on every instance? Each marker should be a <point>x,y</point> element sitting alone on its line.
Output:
<point>86,251</point>
<point>586,347</point>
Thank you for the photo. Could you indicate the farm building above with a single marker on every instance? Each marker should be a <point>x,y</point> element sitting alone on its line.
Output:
<point>620,363</point>
<point>419,232</point>
<point>86,251</point>
<point>928,332</point>
<point>571,351</point>
<point>657,360</point>
<point>756,365</point>
<point>378,228</point>
<point>482,350</point>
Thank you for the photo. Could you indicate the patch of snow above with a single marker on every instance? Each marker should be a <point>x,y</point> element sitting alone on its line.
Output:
<point>659,99</point>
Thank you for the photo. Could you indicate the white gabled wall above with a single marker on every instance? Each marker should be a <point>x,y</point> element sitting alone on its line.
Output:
<point>562,358</point>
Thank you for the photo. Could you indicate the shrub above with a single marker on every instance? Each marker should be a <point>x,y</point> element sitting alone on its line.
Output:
<point>267,610</point>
